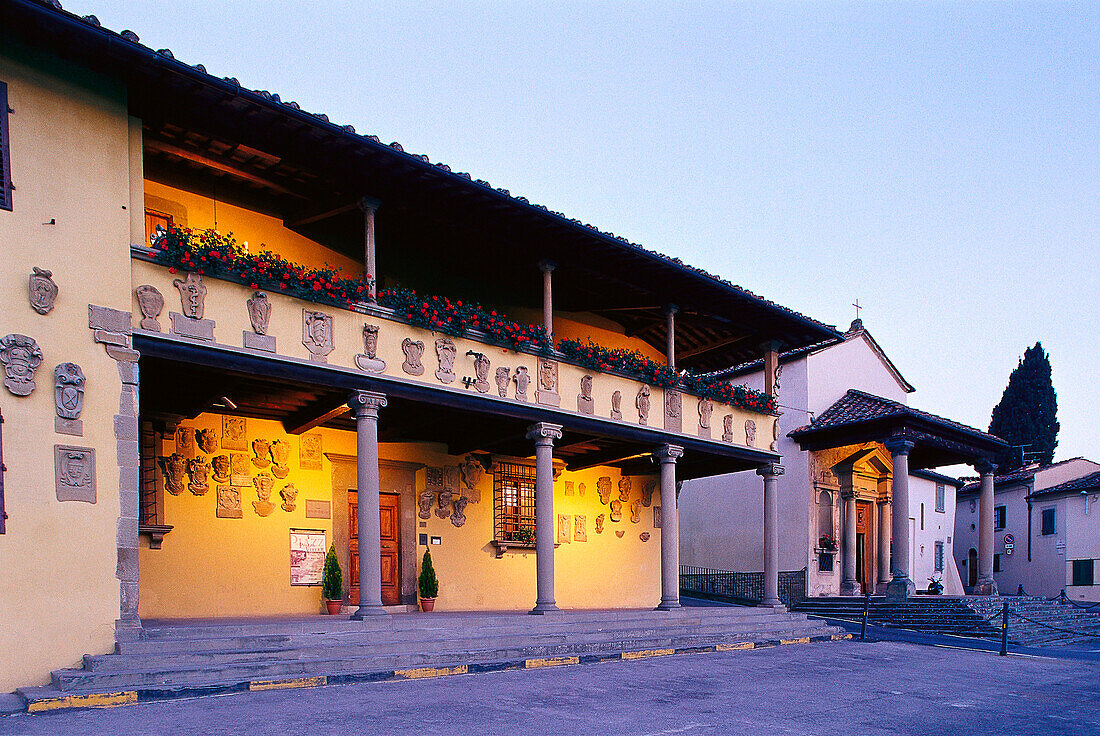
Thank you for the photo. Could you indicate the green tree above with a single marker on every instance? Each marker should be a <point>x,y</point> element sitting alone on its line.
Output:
<point>332,580</point>
<point>427,583</point>
<point>1028,412</point>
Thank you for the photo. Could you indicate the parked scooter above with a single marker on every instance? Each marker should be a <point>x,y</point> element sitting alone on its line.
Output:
<point>935,585</point>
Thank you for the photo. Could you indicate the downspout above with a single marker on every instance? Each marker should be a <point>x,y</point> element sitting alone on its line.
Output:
<point>1028,499</point>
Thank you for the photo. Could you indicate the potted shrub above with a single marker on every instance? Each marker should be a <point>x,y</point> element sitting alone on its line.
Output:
<point>332,582</point>
<point>427,583</point>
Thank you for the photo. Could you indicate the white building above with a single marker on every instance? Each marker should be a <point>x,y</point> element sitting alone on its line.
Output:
<point>848,402</point>
<point>1046,530</point>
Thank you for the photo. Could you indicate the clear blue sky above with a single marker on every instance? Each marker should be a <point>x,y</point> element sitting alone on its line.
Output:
<point>941,162</point>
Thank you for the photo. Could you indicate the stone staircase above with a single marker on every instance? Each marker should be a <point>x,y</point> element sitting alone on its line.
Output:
<point>932,614</point>
<point>1050,615</point>
<point>173,659</point>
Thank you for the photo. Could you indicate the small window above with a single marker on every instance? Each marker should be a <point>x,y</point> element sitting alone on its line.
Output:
<point>824,562</point>
<point>939,556</point>
<point>999,518</point>
<point>5,151</point>
<point>514,503</point>
<point>941,494</point>
<point>922,517</point>
<point>996,563</point>
<point>1082,572</point>
<point>155,221</point>
<point>1048,522</point>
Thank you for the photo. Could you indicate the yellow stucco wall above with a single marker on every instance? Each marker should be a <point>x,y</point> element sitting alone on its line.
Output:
<point>59,596</point>
<point>210,567</point>
<point>260,232</point>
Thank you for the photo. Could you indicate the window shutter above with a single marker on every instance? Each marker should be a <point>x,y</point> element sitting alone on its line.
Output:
<point>5,158</point>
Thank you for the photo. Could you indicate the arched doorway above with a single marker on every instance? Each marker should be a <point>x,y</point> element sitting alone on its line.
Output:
<point>972,567</point>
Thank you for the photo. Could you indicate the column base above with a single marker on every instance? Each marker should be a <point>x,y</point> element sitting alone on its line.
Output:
<point>368,611</point>
<point>668,605</point>
<point>850,587</point>
<point>880,587</point>
<point>899,589</point>
<point>985,587</point>
<point>128,629</point>
<point>543,608</point>
<point>775,604</point>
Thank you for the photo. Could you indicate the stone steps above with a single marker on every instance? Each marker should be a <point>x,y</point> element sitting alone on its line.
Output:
<point>1080,626</point>
<point>173,659</point>
<point>931,614</point>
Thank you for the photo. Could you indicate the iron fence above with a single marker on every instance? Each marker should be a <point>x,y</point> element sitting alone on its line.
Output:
<point>740,587</point>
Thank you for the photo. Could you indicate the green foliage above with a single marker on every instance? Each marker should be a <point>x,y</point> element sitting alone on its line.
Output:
<point>428,585</point>
<point>332,582</point>
<point>1027,413</point>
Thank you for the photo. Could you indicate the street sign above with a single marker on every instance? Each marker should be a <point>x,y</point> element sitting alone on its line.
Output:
<point>1009,539</point>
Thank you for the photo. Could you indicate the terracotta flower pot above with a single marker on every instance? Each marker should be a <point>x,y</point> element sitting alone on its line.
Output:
<point>427,604</point>
<point>334,607</point>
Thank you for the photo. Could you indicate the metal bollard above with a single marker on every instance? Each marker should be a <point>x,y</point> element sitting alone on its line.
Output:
<point>1004,628</point>
<point>866,612</point>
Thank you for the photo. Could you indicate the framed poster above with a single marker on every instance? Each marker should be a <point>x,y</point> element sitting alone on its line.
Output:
<point>307,556</point>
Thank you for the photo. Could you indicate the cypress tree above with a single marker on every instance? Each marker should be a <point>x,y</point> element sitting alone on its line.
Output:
<point>1027,413</point>
<point>427,583</point>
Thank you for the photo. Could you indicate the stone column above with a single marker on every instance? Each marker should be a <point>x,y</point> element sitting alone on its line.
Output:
<point>670,527</point>
<point>544,434</point>
<point>365,406</point>
<point>848,583</point>
<point>900,586</point>
<point>547,267</point>
<point>771,474</point>
<point>370,263</point>
<point>986,584</point>
<point>884,530</point>
<point>670,349</point>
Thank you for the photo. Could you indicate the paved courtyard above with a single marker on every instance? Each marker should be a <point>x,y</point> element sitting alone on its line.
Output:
<point>829,688</point>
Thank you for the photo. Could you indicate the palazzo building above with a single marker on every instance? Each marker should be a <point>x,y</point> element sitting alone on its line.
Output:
<point>234,333</point>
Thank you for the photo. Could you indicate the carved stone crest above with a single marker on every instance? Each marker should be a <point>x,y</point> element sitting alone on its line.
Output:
<point>192,295</point>
<point>452,477</point>
<point>261,453</point>
<point>616,510</point>
<point>68,390</point>
<point>74,473</point>
<point>616,405</point>
<point>443,509</point>
<point>317,334</point>
<point>584,398</point>
<point>174,470</point>
<point>727,428</point>
<point>20,356</point>
<point>433,476</point>
<point>413,350</point>
<point>310,451</point>
<point>599,523</point>
<point>522,382</point>
<point>644,536</point>
<point>289,494</point>
<point>481,371</point>
<point>42,290</point>
<point>674,401</point>
<point>458,518</point>
<point>208,440</point>
<point>151,303</point>
<point>240,471</point>
<point>580,489</point>
<point>647,492</point>
<point>198,474</point>
<point>547,391</point>
<point>280,458</point>
<point>234,433</point>
<point>502,376</point>
<point>750,433</point>
<point>445,353</point>
<point>185,441</point>
<point>706,407</point>
<point>565,529</point>
<point>580,529</point>
<point>263,483</point>
<point>635,511</point>
<point>472,472</point>
<point>368,360</point>
<point>619,533</point>
<point>624,488</point>
<point>658,517</point>
<point>424,501</point>
<point>641,401</point>
<point>259,312</point>
<point>603,487</point>
<point>229,503</point>
<point>569,488</point>
<point>219,467</point>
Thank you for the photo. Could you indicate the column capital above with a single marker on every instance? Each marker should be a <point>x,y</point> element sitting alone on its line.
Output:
<point>366,403</point>
<point>772,469</point>
<point>668,453</point>
<point>898,445</point>
<point>544,432</point>
<point>546,265</point>
<point>369,204</point>
<point>985,467</point>
<point>671,308</point>
<point>885,500</point>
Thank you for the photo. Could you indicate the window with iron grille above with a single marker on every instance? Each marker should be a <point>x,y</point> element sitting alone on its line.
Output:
<point>939,556</point>
<point>825,562</point>
<point>148,507</point>
<point>941,493</point>
<point>514,503</point>
<point>5,151</point>
<point>1083,572</point>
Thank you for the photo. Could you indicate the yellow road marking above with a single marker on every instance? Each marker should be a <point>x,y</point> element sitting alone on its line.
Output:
<point>800,640</point>
<point>551,662</point>
<point>95,700</point>
<point>732,647</point>
<point>287,684</point>
<point>421,672</point>
<point>648,653</point>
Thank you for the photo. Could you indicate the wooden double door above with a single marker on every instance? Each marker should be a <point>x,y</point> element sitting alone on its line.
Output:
<point>389,516</point>
<point>865,546</point>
